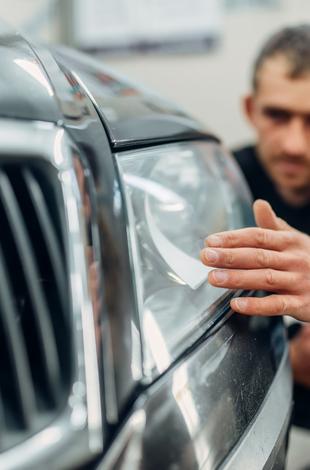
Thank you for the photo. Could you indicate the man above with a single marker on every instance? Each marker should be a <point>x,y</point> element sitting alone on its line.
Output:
<point>275,256</point>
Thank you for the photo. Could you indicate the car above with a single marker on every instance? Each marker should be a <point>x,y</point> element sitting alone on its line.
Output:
<point>116,353</point>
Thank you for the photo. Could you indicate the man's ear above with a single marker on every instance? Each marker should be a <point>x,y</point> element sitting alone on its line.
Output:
<point>248,108</point>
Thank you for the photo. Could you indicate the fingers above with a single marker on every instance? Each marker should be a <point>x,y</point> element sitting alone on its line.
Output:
<point>251,258</point>
<point>272,232</point>
<point>265,216</point>
<point>253,237</point>
<point>266,306</point>
<point>272,305</point>
<point>257,279</point>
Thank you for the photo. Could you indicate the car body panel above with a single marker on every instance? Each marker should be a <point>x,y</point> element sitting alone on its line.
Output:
<point>131,115</point>
<point>194,417</point>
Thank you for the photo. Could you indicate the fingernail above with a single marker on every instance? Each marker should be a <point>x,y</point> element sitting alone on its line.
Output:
<point>210,255</point>
<point>239,304</point>
<point>220,276</point>
<point>214,240</point>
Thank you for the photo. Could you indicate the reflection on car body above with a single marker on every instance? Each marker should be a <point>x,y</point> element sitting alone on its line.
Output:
<point>115,351</point>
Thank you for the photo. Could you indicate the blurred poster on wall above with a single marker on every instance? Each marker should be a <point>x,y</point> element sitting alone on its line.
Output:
<point>147,24</point>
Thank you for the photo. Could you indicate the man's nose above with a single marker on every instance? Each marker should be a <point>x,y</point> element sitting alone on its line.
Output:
<point>295,140</point>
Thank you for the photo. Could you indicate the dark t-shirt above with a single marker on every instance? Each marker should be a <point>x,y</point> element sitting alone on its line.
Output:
<point>262,187</point>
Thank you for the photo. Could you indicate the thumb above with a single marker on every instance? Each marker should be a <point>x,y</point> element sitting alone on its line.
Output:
<point>265,217</point>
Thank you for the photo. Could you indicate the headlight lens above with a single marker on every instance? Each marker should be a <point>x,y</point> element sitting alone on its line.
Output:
<point>176,195</point>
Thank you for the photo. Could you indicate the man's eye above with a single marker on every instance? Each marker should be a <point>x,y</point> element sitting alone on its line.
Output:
<point>277,115</point>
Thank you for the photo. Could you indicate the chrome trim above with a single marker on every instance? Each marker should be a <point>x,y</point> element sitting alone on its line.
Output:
<point>111,408</point>
<point>260,439</point>
<point>76,434</point>
<point>126,452</point>
<point>134,257</point>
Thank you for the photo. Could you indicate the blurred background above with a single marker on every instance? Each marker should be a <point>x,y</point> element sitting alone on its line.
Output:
<point>205,69</point>
<point>197,53</point>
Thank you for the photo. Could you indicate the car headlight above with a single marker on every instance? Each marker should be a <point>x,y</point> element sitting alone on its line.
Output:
<point>176,195</point>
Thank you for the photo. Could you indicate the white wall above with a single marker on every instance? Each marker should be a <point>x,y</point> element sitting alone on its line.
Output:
<point>34,15</point>
<point>18,11</point>
<point>210,86</point>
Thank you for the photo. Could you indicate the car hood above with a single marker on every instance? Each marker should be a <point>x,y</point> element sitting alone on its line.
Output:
<point>25,89</point>
<point>30,89</point>
<point>132,115</point>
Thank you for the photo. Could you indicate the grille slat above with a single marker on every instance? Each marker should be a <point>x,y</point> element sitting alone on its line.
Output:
<point>49,233</point>
<point>41,316</point>
<point>20,378</point>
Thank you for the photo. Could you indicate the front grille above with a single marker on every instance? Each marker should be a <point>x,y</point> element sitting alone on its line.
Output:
<point>35,340</point>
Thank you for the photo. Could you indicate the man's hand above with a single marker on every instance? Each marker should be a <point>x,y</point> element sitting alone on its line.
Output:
<point>271,257</point>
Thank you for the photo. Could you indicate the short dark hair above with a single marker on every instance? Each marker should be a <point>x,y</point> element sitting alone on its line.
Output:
<point>293,43</point>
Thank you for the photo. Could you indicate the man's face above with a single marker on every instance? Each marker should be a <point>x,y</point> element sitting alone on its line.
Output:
<point>279,110</point>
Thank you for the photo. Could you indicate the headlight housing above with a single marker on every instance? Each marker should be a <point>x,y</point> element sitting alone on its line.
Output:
<point>175,196</point>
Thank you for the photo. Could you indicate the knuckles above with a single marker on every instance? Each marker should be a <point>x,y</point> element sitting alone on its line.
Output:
<point>269,277</point>
<point>262,237</point>
<point>262,258</point>
<point>229,259</point>
<point>283,306</point>
<point>230,239</point>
